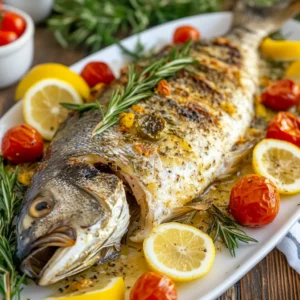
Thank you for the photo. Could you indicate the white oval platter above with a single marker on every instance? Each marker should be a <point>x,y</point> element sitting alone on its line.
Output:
<point>226,270</point>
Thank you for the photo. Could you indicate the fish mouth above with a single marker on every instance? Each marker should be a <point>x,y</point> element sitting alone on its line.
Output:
<point>44,248</point>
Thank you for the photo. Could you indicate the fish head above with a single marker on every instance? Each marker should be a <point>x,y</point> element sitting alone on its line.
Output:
<point>69,222</point>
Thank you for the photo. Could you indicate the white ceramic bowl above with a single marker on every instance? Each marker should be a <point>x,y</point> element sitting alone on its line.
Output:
<point>16,58</point>
<point>37,9</point>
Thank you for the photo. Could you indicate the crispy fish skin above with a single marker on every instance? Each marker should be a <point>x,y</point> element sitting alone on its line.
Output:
<point>209,108</point>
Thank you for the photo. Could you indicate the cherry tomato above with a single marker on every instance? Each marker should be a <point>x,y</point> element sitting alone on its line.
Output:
<point>13,22</point>
<point>97,72</point>
<point>285,126</point>
<point>254,201</point>
<point>22,144</point>
<point>7,37</point>
<point>153,286</point>
<point>281,95</point>
<point>183,33</point>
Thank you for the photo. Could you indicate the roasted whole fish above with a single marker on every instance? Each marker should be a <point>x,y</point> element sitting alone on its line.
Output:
<point>76,211</point>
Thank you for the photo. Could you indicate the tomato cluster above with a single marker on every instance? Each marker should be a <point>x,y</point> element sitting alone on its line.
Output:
<point>12,26</point>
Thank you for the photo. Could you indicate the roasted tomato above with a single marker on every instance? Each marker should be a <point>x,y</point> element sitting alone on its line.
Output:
<point>281,95</point>
<point>13,22</point>
<point>285,126</point>
<point>7,37</point>
<point>254,201</point>
<point>97,72</point>
<point>184,33</point>
<point>22,144</point>
<point>153,286</point>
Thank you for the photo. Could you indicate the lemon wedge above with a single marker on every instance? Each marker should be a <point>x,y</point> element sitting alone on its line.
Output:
<point>41,105</point>
<point>111,289</point>
<point>179,251</point>
<point>52,70</point>
<point>293,71</point>
<point>281,50</point>
<point>280,162</point>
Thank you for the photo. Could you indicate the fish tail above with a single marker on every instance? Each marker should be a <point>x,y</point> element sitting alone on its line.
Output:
<point>264,20</point>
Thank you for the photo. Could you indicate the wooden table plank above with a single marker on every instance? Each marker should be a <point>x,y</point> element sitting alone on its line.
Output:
<point>271,279</point>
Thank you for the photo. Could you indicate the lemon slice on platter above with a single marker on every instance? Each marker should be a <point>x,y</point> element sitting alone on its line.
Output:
<point>41,105</point>
<point>280,162</point>
<point>281,50</point>
<point>179,251</point>
<point>293,71</point>
<point>111,289</point>
<point>52,70</point>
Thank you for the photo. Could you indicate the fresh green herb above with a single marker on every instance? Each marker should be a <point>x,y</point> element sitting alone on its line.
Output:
<point>81,108</point>
<point>139,86</point>
<point>228,230</point>
<point>95,23</point>
<point>10,199</point>
<point>138,52</point>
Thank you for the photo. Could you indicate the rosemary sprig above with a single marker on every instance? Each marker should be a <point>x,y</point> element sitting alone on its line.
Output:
<point>137,53</point>
<point>228,230</point>
<point>81,108</point>
<point>139,86</point>
<point>10,199</point>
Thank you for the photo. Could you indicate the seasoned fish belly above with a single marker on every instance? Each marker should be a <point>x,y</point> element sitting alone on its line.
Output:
<point>210,107</point>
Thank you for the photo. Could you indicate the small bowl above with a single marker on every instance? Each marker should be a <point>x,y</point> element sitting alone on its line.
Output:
<point>16,58</point>
<point>39,10</point>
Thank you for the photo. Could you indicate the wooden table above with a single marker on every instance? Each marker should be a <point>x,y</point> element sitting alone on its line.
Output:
<point>271,279</point>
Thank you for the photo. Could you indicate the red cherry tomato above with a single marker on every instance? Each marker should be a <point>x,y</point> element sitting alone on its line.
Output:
<point>22,144</point>
<point>254,201</point>
<point>96,72</point>
<point>13,22</point>
<point>285,126</point>
<point>183,33</point>
<point>281,95</point>
<point>7,37</point>
<point>153,286</point>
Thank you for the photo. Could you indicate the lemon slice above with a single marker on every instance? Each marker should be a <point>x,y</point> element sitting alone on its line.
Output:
<point>41,105</point>
<point>281,50</point>
<point>280,162</point>
<point>111,289</point>
<point>179,251</point>
<point>52,70</point>
<point>293,71</point>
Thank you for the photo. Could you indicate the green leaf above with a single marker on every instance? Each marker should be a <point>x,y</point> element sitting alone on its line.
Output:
<point>10,199</point>
<point>75,21</point>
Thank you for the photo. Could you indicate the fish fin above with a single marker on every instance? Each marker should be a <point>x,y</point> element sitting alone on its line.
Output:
<point>109,253</point>
<point>264,19</point>
<point>182,214</point>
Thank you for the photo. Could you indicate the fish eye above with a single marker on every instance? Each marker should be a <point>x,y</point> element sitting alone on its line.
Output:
<point>41,207</point>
